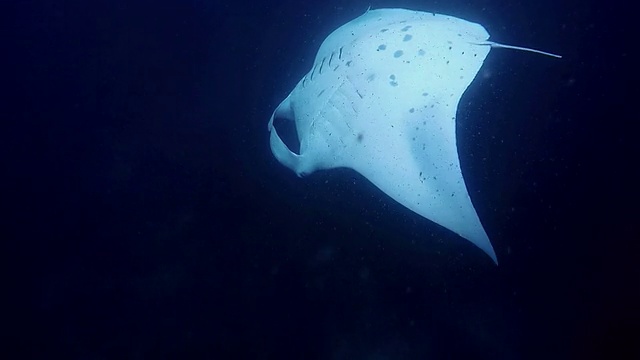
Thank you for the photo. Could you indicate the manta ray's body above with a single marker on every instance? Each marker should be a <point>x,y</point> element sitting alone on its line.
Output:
<point>381,99</point>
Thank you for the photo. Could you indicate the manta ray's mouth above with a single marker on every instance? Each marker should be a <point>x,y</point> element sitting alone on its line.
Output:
<point>287,131</point>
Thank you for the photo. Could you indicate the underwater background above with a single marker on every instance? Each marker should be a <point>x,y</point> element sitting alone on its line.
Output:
<point>146,218</point>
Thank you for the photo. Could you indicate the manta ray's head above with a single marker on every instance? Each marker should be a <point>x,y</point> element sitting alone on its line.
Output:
<point>303,141</point>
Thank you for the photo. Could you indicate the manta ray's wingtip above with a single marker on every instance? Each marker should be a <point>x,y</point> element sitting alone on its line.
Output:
<point>491,252</point>
<point>494,258</point>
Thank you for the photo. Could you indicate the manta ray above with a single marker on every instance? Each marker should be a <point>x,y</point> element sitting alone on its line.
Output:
<point>381,99</point>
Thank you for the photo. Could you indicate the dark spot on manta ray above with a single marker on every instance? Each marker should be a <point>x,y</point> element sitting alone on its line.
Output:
<point>393,83</point>
<point>421,52</point>
<point>320,93</point>
<point>449,47</point>
<point>384,30</point>
<point>349,63</point>
<point>392,77</point>
<point>382,47</point>
<point>398,53</point>
<point>410,110</point>
<point>371,77</point>
<point>406,28</point>
<point>407,37</point>
<point>360,137</point>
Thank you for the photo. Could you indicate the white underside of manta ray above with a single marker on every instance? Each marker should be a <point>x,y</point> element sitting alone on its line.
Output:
<point>381,99</point>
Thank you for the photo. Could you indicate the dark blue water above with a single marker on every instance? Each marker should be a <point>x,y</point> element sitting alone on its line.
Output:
<point>145,217</point>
